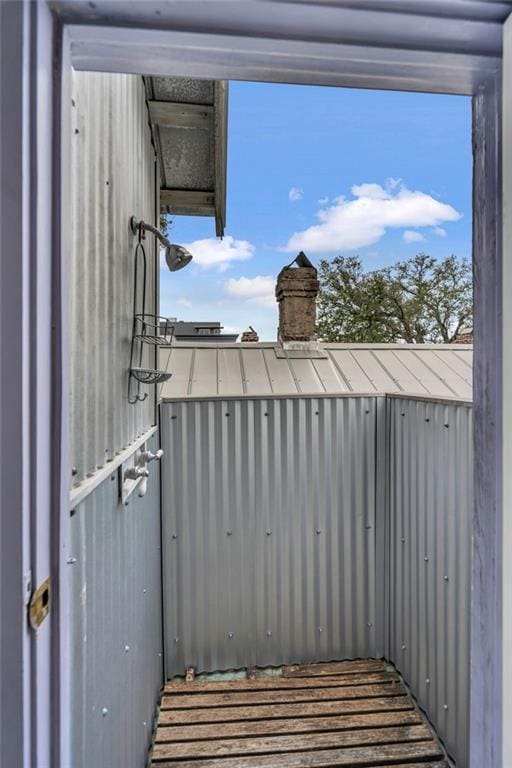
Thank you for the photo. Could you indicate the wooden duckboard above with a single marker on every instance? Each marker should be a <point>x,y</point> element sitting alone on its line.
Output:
<point>348,713</point>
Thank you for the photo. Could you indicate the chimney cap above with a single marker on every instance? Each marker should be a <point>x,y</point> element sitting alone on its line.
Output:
<point>301,260</point>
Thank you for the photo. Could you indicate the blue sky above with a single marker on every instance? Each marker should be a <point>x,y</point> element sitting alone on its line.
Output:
<point>380,174</point>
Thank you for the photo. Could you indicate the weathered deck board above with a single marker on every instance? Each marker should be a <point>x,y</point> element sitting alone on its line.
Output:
<point>286,726</point>
<point>297,743</point>
<point>268,711</point>
<point>281,683</point>
<point>387,754</point>
<point>335,668</point>
<point>200,699</point>
<point>351,714</point>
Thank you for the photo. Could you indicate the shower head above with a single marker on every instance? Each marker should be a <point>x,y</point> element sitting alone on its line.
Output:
<point>176,256</point>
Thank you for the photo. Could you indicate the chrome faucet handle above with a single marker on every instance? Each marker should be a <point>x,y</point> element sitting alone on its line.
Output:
<point>147,456</point>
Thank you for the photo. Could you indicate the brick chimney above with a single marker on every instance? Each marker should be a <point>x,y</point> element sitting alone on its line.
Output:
<point>250,335</point>
<point>296,292</point>
<point>465,336</point>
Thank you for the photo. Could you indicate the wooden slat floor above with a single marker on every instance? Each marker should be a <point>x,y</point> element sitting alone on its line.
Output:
<point>348,713</point>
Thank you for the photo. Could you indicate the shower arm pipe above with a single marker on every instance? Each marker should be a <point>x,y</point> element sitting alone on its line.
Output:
<point>141,226</point>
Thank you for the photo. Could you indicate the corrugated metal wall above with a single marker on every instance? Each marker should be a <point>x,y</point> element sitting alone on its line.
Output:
<point>116,625</point>
<point>429,560</point>
<point>113,177</point>
<point>269,531</point>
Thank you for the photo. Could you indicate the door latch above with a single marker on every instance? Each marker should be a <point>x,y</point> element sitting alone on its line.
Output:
<point>39,605</point>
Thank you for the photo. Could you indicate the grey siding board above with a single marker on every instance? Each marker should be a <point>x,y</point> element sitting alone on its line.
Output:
<point>116,625</point>
<point>244,495</point>
<point>113,176</point>
<point>429,559</point>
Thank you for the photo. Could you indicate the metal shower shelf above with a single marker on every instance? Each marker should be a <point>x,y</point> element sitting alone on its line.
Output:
<point>150,376</point>
<point>152,329</point>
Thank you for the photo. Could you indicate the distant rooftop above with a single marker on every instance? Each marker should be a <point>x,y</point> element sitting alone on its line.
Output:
<point>205,331</point>
<point>215,370</point>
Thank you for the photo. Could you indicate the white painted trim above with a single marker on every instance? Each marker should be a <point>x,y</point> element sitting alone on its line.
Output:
<point>507,398</point>
<point>62,219</point>
<point>81,492</point>
<point>275,59</point>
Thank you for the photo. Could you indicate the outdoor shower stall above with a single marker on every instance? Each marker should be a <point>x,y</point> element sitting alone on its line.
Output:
<point>311,505</point>
<point>302,528</point>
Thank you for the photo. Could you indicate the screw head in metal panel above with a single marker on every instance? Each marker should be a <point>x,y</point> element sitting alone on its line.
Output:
<point>229,533</point>
<point>403,541</point>
<point>144,591</point>
<point>445,707</point>
<point>126,648</point>
<point>446,578</point>
<point>176,639</point>
<point>426,559</point>
<point>104,712</point>
<point>269,633</point>
<point>231,635</point>
<point>320,629</point>
<point>404,647</point>
<point>318,531</point>
<point>367,527</point>
<point>71,560</point>
<point>175,536</point>
<point>369,624</point>
<point>144,723</point>
<point>269,532</point>
<point>427,680</point>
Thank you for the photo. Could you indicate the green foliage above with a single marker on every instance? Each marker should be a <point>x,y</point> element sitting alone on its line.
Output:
<point>417,301</point>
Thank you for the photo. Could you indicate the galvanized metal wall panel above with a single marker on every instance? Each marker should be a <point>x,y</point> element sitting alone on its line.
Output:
<point>116,625</point>
<point>269,531</point>
<point>429,559</point>
<point>113,177</point>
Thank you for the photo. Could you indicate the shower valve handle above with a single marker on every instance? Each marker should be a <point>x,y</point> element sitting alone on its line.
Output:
<point>147,456</point>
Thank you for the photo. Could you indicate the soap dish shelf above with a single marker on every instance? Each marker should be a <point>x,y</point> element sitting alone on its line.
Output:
<point>156,332</point>
<point>150,376</point>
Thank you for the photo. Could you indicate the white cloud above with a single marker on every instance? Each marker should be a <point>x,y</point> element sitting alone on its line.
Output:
<point>323,201</point>
<point>295,194</point>
<point>184,302</point>
<point>363,220</point>
<point>410,236</point>
<point>213,253</point>
<point>259,289</point>
<point>439,231</point>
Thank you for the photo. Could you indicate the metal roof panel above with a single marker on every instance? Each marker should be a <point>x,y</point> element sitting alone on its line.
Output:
<point>206,371</point>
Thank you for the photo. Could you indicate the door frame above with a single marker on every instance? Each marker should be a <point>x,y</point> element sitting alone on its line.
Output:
<point>76,40</point>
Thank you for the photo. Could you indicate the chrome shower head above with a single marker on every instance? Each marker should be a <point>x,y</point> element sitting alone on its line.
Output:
<point>176,256</point>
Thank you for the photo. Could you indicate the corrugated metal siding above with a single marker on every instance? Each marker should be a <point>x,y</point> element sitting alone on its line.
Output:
<point>429,563</point>
<point>262,370</point>
<point>113,177</point>
<point>116,625</point>
<point>269,531</point>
